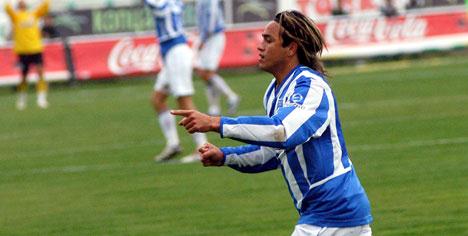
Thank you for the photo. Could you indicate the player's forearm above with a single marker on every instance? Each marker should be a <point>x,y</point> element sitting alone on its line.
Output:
<point>258,130</point>
<point>9,10</point>
<point>250,158</point>
<point>43,9</point>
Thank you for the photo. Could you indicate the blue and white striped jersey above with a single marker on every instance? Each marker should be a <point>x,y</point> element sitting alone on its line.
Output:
<point>209,18</point>
<point>302,136</point>
<point>168,18</point>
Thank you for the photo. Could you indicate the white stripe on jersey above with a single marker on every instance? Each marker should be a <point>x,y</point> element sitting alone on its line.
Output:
<point>258,131</point>
<point>318,183</point>
<point>257,157</point>
<point>269,133</point>
<point>310,155</point>
<point>289,175</point>
<point>314,96</point>
<point>168,18</point>
<point>302,161</point>
<point>209,18</point>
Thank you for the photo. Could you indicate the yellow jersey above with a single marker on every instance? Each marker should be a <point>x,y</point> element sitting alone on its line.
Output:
<point>27,38</point>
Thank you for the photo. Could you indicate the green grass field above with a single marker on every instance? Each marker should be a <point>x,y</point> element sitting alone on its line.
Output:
<point>84,166</point>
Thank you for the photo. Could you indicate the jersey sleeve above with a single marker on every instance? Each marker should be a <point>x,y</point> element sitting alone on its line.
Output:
<point>10,12</point>
<point>156,4</point>
<point>250,158</point>
<point>42,9</point>
<point>207,15</point>
<point>305,114</point>
<point>202,20</point>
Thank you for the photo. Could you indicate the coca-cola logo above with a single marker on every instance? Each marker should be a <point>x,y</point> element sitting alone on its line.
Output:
<point>365,30</point>
<point>127,56</point>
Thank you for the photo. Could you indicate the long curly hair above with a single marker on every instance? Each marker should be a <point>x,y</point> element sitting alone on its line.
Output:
<point>296,27</point>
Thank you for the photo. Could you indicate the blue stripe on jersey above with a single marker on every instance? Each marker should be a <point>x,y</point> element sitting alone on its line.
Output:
<point>260,143</point>
<point>154,6</point>
<point>269,165</point>
<point>312,125</point>
<point>289,188</point>
<point>168,18</point>
<point>302,88</point>
<point>303,127</point>
<point>278,89</point>
<point>323,160</point>
<point>240,150</point>
<point>340,198</point>
<point>259,120</point>
<point>263,163</point>
<point>267,95</point>
<point>210,19</point>
<point>167,45</point>
<point>303,183</point>
<point>344,156</point>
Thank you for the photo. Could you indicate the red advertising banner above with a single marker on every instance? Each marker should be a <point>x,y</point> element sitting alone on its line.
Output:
<point>365,30</point>
<point>96,59</point>
<point>109,57</point>
<point>54,62</point>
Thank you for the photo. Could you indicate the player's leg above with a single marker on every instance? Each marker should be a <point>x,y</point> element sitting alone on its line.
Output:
<point>210,56</point>
<point>165,119</point>
<point>223,87</point>
<point>212,94</point>
<point>179,65</point>
<point>41,86</point>
<point>23,85</point>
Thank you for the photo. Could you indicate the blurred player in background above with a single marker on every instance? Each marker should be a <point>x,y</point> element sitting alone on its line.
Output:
<point>175,77</point>
<point>210,24</point>
<point>48,29</point>
<point>301,134</point>
<point>27,44</point>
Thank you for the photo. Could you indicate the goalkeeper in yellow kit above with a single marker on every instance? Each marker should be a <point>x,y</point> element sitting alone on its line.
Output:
<point>27,44</point>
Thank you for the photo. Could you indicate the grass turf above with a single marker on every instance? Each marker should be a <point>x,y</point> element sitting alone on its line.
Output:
<point>84,166</point>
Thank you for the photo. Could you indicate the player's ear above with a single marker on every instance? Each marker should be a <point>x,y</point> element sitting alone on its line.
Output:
<point>292,48</point>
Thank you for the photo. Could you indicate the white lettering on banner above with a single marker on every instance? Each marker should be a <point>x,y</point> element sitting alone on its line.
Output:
<point>126,57</point>
<point>365,30</point>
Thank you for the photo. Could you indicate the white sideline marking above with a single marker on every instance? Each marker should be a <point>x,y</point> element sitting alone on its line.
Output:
<point>354,148</point>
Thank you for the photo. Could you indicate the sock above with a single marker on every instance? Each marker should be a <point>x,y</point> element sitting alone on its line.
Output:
<point>168,126</point>
<point>223,87</point>
<point>199,138</point>
<point>22,97</point>
<point>22,87</point>
<point>22,94</point>
<point>212,97</point>
<point>41,86</point>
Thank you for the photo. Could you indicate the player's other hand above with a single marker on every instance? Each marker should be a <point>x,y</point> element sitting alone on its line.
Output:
<point>211,155</point>
<point>195,121</point>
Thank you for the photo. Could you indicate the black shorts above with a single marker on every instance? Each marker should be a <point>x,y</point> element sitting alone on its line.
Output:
<point>28,59</point>
<point>25,60</point>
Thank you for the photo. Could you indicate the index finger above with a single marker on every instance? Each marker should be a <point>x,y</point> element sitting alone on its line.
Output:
<point>181,112</point>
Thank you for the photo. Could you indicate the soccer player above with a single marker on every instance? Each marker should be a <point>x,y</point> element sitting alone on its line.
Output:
<point>175,78</point>
<point>27,44</point>
<point>210,24</point>
<point>301,133</point>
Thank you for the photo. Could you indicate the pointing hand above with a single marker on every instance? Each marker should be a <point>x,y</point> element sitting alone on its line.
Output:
<point>195,121</point>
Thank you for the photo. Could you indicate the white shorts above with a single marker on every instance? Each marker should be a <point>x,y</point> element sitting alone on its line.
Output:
<point>209,56</point>
<point>312,230</point>
<point>175,77</point>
